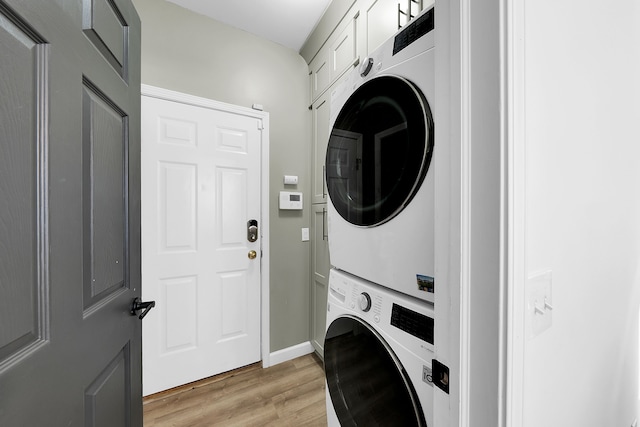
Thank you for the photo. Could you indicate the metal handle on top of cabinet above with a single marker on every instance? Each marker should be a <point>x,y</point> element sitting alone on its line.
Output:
<point>325,236</point>
<point>409,12</point>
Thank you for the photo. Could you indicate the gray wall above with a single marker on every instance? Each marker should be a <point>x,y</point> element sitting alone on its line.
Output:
<point>190,53</point>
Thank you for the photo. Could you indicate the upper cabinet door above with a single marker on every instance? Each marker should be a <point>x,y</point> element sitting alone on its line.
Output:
<point>320,109</point>
<point>338,55</point>
<point>320,73</point>
<point>342,48</point>
<point>381,22</point>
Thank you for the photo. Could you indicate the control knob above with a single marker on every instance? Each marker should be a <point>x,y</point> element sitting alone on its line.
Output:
<point>365,67</point>
<point>364,301</point>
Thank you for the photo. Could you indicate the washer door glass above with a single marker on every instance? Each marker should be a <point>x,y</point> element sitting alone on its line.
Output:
<point>379,150</point>
<point>367,384</point>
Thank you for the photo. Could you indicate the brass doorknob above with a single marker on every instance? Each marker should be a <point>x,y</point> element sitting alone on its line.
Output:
<point>252,254</point>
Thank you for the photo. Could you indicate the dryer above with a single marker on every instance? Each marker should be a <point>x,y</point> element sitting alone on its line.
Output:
<point>378,355</point>
<point>379,173</point>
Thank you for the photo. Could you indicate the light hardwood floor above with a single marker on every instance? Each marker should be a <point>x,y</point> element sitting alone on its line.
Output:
<point>288,394</point>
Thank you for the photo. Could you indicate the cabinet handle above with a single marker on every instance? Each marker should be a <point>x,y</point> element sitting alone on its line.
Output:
<point>324,178</point>
<point>409,12</point>
<point>325,236</point>
<point>418,5</point>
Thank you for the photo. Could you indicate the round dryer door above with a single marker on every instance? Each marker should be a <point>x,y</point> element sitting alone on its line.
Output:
<point>379,150</point>
<point>367,384</point>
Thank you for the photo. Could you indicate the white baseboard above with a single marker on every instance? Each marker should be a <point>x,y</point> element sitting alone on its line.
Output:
<point>288,353</point>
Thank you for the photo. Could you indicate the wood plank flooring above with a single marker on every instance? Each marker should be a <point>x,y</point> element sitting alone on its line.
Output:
<point>288,394</point>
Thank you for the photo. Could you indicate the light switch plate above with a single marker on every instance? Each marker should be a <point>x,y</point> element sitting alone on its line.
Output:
<point>305,234</point>
<point>539,308</point>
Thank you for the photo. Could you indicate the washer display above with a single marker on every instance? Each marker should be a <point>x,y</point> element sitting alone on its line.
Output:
<point>379,173</point>
<point>378,352</point>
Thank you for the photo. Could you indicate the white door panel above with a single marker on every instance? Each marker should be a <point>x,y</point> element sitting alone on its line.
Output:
<point>201,185</point>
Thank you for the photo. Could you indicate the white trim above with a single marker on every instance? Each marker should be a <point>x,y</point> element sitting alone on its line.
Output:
<point>170,95</point>
<point>465,212</point>
<point>184,98</point>
<point>505,209</point>
<point>515,210</point>
<point>265,261</point>
<point>290,353</point>
<point>448,234</point>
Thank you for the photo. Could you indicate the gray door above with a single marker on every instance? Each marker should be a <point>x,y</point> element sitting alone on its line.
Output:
<point>69,213</point>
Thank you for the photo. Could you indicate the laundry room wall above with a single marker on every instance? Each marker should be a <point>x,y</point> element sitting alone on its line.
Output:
<point>187,52</point>
<point>581,145</point>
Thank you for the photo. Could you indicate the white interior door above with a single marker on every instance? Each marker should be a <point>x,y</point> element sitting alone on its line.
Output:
<point>200,187</point>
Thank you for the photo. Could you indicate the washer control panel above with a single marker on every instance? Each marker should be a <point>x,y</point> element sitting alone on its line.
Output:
<point>416,324</point>
<point>387,309</point>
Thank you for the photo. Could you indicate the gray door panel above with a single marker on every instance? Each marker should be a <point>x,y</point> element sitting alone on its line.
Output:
<point>70,352</point>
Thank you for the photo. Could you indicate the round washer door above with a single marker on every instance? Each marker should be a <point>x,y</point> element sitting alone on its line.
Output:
<point>366,381</point>
<point>379,150</point>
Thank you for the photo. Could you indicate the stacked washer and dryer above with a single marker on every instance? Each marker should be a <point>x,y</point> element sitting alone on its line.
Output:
<point>380,180</point>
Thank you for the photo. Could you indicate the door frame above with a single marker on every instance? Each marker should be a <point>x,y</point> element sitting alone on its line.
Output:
<point>170,95</point>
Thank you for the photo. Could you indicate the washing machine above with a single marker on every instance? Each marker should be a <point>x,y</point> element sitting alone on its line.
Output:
<point>379,173</point>
<point>378,354</point>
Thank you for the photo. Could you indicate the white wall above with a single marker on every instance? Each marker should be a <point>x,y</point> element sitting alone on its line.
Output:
<point>581,110</point>
<point>549,110</point>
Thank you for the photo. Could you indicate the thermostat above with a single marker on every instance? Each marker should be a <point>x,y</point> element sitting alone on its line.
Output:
<point>291,200</point>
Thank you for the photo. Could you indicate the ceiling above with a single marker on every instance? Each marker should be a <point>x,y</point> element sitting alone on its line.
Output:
<point>287,22</point>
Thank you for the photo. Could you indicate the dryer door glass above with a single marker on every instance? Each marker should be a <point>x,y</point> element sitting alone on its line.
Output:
<point>367,384</point>
<point>379,150</point>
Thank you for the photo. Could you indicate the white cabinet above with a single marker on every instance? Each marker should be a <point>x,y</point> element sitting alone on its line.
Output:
<point>319,275</point>
<point>320,73</point>
<point>342,49</point>
<point>321,114</point>
<point>380,19</point>
<point>320,138</point>
<point>327,69</point>
<point>338,54</point>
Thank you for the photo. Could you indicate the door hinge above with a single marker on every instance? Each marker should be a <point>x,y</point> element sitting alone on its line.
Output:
<point>440,375</point>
